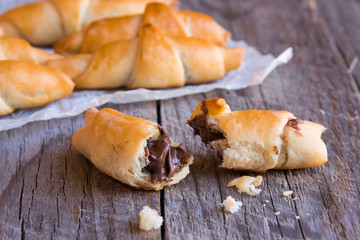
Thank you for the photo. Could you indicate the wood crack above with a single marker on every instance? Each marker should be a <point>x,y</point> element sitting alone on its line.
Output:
<point>36,182</point>
<point>162,191</point>
<point>57,210</point>
<point>221,196</point>
<point>273,205</point>
<point>295,207</point>
<point>21,196</point>
<point>81,212</point>
<point>22,229</point>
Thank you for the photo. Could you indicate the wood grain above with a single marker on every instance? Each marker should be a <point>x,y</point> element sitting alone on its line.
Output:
<point>48,190</point>
<point>342,21</point>
<point>314,86</point>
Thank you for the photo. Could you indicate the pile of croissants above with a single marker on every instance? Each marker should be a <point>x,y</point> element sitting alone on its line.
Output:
<point>103,44</point>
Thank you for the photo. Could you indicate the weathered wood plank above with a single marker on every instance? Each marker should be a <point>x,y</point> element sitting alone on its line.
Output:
<point>342,19</point>
<point>315,86</point>
<point>49,190</point>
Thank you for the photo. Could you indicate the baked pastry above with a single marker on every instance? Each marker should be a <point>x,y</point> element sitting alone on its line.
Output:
<point>150,219</point>
<point>132,150</point>
<point>26,85</point>
<point>20,50</point>
<point>46,22</point>
<point>258,140</point>
<point>247,184</point>
<point>151,61</point>
<point>172,23</point>
<point>231,205</point>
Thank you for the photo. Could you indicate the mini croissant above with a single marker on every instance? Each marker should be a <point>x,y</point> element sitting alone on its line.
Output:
<point>26,85</point>
<point>151,61</point>
<point>172,23</point>
<point>46,22</point>
<point>256,140</point>
<point>132,150</point>
<point>23,82</point>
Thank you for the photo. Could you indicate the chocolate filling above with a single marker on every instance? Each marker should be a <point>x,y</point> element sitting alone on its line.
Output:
<point>206,131</point>
<point>294,123</point>
<point>163,160</point>
<point>201,127</point>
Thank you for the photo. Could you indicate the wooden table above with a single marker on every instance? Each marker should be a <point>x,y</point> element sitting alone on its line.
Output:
<point>48,190</point>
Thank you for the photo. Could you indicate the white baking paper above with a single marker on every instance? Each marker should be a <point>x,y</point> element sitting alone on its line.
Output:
<point>253,71</point>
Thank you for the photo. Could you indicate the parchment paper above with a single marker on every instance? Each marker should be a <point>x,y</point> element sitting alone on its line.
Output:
<point>254,70</point>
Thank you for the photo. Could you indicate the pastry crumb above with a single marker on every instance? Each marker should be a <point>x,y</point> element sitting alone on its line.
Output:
<point>267,201</point>
<point>295,198</point>
<point>287,193</point>
<point>150,219</point>
<point>231,205</point>
<point>276,213</point>
<point>297,217</point>
<point>247,184</point>
<point>264,204</point>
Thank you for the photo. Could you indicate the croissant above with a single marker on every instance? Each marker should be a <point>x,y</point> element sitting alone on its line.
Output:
<point>256,140</point>
<point>26,85</point>
<point>46,22</point>
<point>151,61</point>
<point>172,23</point>
<point>132,150</point>
<point>20,50</point>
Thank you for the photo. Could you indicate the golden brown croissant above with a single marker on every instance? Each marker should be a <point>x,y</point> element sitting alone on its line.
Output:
<point>151,61</point>
<point>182,23</point>
<point>132,150</point>
<point>26,85</point>
<point>46,22</point>
<point>20,50</point>
<point>258,140</point>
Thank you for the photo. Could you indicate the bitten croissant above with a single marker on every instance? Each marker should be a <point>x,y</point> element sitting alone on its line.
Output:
<point>26,85</point>
<point>151,61</point>
<point>46,22</point>
<point>132,150</point>
<point>172,23</point>
<point>258,140</point>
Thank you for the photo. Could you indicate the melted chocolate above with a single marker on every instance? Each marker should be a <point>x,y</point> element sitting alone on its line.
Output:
<point>163,160</point>
<point>204,108</point>
<point>205,130</point>
<point>201,127</point>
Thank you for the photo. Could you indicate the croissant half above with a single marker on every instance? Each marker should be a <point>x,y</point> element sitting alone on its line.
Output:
<point>151,61</point>
<point>132,150</point>
<point>258,140</point>
<point>172,23</point>
<point>46,22</point>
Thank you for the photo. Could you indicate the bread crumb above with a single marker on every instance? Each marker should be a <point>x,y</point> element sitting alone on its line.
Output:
<point>295,198</point>
<point>247,184</point>
<point>231,205</point>
<point>264,204</point>
<point>287,193</point>
<point>267,201</point>
<point>150,219</point>
<point>276,213</point>
<point>297,217</point>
